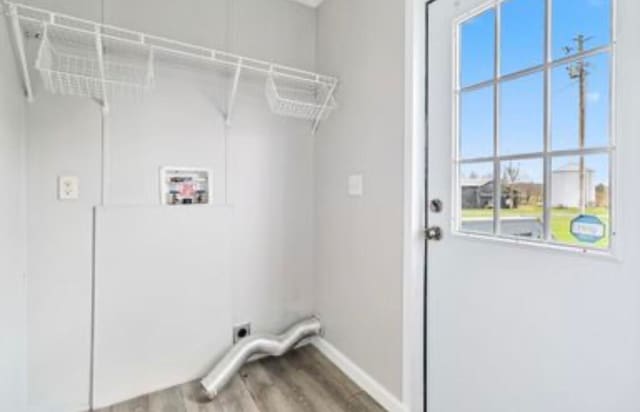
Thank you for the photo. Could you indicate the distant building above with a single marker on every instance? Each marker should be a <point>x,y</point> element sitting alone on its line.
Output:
<point>530,193</point>
<point>565,186</point>
<point>477,193</point>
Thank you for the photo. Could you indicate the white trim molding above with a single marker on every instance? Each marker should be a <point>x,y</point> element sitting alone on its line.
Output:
<point>414,207</point>
<point>360,377</point>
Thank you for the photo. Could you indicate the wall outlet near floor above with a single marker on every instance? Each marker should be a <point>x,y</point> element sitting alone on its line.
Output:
<point>241,331</point>
<point>355,185</point>
<point>68,188</point>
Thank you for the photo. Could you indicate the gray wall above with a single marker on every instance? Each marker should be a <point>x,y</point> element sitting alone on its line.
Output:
<point>359,239</point>
<point>262,168</point>
<point>12,229</point>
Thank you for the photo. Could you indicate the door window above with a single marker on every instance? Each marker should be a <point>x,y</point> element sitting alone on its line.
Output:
<point>534,147</point>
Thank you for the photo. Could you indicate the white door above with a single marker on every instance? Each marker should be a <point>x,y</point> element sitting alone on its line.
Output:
<point>533,146</point>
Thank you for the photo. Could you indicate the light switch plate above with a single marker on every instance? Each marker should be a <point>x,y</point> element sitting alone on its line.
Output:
<point>356,185</point>
<point>68,188</point>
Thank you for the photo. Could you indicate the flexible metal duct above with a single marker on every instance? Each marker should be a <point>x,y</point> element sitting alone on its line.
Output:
<point>274,345</point>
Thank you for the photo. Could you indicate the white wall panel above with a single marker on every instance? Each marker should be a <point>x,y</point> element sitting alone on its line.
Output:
<point>63,139</point>
<point>274,30</point>
<point>12,232</point>
<point>163,297</point>
<point>91,10</point>
<point>201,22</point>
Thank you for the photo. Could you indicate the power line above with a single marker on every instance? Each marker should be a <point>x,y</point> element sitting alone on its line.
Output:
<point>579,70</point>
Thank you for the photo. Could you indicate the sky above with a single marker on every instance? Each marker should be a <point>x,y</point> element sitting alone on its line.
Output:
<point>521,109</point>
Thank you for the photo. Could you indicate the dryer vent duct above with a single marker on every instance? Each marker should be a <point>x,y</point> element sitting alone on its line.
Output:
<point>259,344</point>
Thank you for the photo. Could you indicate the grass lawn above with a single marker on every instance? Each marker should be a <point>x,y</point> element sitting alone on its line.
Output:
<point>560,220</point>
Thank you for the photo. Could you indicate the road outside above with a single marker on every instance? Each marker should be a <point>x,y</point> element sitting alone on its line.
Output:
<point>560,220</point>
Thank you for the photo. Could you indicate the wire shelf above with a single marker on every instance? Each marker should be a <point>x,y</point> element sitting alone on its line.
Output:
<point>79,63</point>
<point>87,58</point>
<point>310,100</point>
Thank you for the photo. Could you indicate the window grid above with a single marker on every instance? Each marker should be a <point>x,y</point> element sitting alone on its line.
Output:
<point>547,161</point>
<point>548,154</point>
<point>551,64</point>
<point>497,189</point>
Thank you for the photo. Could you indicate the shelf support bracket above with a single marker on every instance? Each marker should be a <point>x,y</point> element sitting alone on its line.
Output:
<point>20,49</point>
<point>233,93</point>
<point>103,85</point>
<point>318,118</point>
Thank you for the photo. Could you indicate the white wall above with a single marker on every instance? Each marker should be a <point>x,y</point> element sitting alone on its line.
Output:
<point>359,240</point>
<point>63,138</point>
<point>163,307</point>
<point>262,168</point>
<point>12,230</point>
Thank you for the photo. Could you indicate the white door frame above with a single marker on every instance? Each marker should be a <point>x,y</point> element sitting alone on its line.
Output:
<point>414,275</point>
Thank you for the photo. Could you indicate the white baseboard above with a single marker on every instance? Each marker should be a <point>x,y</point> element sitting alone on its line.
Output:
<point>360,377</point>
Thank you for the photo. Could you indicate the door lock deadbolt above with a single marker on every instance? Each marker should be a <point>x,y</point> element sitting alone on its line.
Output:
<point>434,233</point>
<point>436,206</point>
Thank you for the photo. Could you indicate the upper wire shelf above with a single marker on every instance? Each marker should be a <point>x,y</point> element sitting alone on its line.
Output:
<point>76,63</point>
<point>300,99</point>
<point>88,58</point>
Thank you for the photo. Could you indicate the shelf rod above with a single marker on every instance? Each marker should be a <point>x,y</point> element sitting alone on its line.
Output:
<point>150,67</point>
<point>103,85</point>
<point>234,91</point>
<point>316,122</point>
<point>19,39</point>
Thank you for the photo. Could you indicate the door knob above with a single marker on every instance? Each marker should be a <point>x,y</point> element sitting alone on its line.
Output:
<point>434,233</point>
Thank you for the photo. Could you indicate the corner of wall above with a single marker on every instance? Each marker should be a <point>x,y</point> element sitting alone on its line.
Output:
<point>359,251</point>
<point>360,377</point>
<point>13,364</point>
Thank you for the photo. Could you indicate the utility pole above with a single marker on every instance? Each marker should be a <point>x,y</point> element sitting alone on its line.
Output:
<point>578,70</point>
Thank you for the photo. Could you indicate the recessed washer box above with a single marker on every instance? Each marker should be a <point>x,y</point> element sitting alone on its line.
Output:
<point>185,186</point>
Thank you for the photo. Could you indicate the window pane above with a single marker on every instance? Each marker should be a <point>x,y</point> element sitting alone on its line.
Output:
<point>521,115</point>
<point>477,48</point>
<point>568,98</point>
<point>521,213</point>
<point>476,123</point>
<point>580,199</point>
<point>522,36</point>
<point>476,197</point>
<point>572,19</point>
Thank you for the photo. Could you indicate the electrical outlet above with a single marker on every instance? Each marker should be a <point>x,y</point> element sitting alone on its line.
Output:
<point>355,185</point>
<point>241,331</point>
<point>68,188</point>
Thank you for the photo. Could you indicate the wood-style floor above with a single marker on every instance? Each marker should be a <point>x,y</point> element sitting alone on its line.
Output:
<point>303,380</point>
